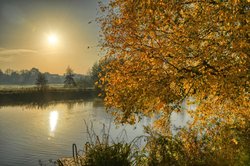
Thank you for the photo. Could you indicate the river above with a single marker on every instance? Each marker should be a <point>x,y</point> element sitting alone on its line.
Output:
<point>31,134</point>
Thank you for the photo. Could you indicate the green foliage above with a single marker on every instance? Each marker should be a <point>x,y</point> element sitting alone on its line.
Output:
<point>108,155</point>
<point>99,152</point>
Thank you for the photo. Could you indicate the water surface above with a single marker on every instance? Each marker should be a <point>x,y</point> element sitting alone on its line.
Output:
<point>32,133</point>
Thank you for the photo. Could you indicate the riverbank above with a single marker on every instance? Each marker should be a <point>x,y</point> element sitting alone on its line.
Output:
<point>37,96</point>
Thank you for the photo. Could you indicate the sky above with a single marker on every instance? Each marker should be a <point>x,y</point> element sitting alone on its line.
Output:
<point>49,35</point>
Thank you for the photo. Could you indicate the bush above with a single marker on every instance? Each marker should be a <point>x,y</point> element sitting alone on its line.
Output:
<point>108,155</point>
<point>227,146</point>
<point>164,150</point>
<point>102,152</point>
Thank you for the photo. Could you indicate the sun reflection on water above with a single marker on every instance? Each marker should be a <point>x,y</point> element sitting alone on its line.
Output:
<point>53,117</point>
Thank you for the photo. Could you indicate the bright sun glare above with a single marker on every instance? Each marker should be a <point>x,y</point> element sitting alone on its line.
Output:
<point>53,116</point>
<point>52,39</point>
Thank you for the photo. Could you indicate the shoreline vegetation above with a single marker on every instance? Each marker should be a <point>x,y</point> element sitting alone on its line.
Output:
<point>34,95</point>
<point>155,149</point>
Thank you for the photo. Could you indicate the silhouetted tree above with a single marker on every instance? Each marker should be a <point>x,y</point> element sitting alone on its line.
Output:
<point>41,81</point>
<point>69,78</point>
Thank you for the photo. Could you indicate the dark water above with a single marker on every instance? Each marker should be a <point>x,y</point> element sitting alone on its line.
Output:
<point>31,133</point>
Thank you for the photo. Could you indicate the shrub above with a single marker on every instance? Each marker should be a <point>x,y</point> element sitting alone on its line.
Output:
<point>108,155</point>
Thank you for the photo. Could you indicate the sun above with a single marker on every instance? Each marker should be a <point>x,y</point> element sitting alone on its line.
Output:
<point>52,39</point>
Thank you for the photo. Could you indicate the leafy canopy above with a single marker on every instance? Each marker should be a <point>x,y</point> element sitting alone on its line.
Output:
<point>160,52</point>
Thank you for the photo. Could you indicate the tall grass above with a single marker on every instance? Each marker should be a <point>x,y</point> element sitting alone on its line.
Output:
<point>165,150</point>
<point>103,150</point>
<point>107,152</point>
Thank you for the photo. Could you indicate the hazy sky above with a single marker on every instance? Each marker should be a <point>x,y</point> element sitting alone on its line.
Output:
<point>27,25</point>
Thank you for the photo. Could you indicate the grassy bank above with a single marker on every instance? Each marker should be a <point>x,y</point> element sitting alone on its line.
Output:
<point>34,95</point>
<point>163,150</point>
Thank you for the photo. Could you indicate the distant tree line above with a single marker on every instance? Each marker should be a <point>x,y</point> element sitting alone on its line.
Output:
<point>27,77</point>
<point>35,77</point>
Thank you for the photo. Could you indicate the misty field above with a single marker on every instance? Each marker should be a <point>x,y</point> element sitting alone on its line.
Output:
<point>14,87</point>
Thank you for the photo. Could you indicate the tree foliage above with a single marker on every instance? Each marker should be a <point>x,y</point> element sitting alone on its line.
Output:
<point>164,51</point>
<point>97,71</point>
<point>69,78</point>
<point>41,81</point>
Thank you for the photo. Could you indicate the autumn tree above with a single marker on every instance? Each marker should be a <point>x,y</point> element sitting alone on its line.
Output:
<point>164,51</point>
<point>41,81</point>
<point>96,73</point>
<point>69,78</point>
